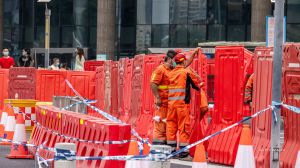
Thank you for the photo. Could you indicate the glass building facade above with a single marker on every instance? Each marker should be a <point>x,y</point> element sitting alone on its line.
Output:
<point>140,23</point>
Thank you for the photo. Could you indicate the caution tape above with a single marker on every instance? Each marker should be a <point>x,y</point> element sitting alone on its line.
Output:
<point>291,108</point>
<point>110,117</point>
<point>77,103</point>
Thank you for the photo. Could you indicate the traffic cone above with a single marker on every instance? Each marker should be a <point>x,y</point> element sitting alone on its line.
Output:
<point>245,154</point>
<point>19,151</point>
<point>200,157</point>
<point>298,160</point>
<point>133,150</point>
<point>9,126</point>
<point>3,122</point>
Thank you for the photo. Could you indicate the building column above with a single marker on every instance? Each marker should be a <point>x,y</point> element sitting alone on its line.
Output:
<point>259,10</point>
<point>106,25</point>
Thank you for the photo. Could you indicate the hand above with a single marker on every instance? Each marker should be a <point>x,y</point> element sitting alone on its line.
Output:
<point>157,102</point>
<point>203,110</point>
<point>197,50</point>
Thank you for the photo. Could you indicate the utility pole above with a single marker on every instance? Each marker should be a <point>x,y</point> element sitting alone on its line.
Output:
<point>277,80</point>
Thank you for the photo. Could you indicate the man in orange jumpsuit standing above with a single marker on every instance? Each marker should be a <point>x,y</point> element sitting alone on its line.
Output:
<point>159,85</point>
<point>178,118</point>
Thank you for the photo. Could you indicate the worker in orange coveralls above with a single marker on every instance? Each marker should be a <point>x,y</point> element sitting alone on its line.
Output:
<point>249,90</point>
<point>178,118</point>
<point>159,85</point>
<point>203,103</point>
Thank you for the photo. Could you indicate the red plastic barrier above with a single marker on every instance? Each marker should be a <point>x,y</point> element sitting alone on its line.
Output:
<point>210,79</point>
<point>22,81</point>
<point>3,86</point>
<point>83,82</point>
<point>111,88</point>
<point>100,87</point>
<point>262,98</point>
<point>121,85</point>
<point>228,104</point>
<point>50,83</point>
<point>142,98</point>
<point>291,92</point>
<point>92,65</point>
<point>126,112</point>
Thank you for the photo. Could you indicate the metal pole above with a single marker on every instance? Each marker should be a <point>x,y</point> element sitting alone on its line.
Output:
<point>277,79</point>
<point>47,36</point>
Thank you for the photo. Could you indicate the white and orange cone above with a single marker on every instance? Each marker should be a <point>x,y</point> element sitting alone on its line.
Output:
<point>298,160</point>
<point>200,157</point>
<point>9,126</point>
<point>133,150</point>
<point>245,154</point>
<point>19,151</point>
<point>3,122</point>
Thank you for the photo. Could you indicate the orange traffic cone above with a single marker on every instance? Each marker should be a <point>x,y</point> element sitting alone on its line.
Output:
<point>19,151</point>
<point>298,160</point>
<point>200,157</point>
<point>9,126</point>
<point>245,154</point>
<point>133,150</point>
<point>3,122</point>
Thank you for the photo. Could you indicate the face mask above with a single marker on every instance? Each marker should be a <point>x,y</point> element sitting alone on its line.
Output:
<point>57,64</point>
<point>24,53</point>
<point>174,64</point>
<point>5,53</point>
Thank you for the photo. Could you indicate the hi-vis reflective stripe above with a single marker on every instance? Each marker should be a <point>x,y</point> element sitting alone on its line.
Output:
<point>163,87</point>
<point>176,90</point>
<point>177,98</point>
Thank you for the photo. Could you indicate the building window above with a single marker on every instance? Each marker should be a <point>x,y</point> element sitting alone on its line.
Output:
<point>178,36</point>
<point>197,11</point>
<point>144,11</point>
<point>178,11</point>
<point>236,33</point>
<point>216,33</point>
<point>143,38</point>
<point>293,12</point>
<point>197,33</point>
<point>160,12</point>
<point>160,35</point>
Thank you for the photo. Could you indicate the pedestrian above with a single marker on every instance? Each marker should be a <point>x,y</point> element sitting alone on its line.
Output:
<point>64,66</point>
<point>6,61</point>
<point>25,60</point>
<point>55,64</point>
<point>181,80</point>
<point>79,60</point>
<point>159,85</point>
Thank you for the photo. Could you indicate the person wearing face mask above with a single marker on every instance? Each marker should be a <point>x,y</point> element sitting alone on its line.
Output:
<point>6,61</point>
<point>55,64</point>
<point>159,85</point>
<point>25,60</point>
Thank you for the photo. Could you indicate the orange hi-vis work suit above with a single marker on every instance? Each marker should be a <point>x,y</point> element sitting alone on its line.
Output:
<point>160,78</point>
<point>178,117</point>
<point>249,90</point>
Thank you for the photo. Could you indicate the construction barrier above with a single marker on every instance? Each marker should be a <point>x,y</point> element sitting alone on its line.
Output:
<point>4,86</point>
<point>291,92</point>
<point>23,105</point>
<point>57,126</point>
<point>228,108</point>
<point>210,80</point>
<point>22,83</point>
<point>262,98</point>
<point>100,88</point>
<point>92,65</point>
<point>50,83</point>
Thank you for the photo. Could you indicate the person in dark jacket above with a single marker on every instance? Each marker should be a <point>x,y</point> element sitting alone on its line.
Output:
<point>25,60</point>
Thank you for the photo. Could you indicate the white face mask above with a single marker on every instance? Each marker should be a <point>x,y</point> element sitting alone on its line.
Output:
<point>5,53</point>
<point>24,53</point>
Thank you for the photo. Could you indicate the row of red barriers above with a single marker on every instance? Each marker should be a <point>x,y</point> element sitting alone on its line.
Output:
<point>290,96</point>
<point>83,127</point>
<point>42,85</point>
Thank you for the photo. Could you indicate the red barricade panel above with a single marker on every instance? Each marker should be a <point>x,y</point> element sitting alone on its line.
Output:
<point>291,92</point>
<point>127,89</point>
<point>50,83</point>
<point>100,87</point>
<point>210,79</point>
<point>22,81</point>
<point>92,65</point>
<point>3,86</point>
<point>121,85</point>
<point>228,104</point>
<point>262,98</point>
<point>83,83</point>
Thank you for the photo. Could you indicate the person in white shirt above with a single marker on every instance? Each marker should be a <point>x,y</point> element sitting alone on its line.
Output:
<point>80,59</point>
<point>55,64</point>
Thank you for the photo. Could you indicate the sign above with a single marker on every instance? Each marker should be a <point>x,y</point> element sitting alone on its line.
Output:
<point>270,31</point>
<point>101,57</point>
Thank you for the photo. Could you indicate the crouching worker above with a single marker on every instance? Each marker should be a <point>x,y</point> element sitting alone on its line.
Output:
<point>178,118</point>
